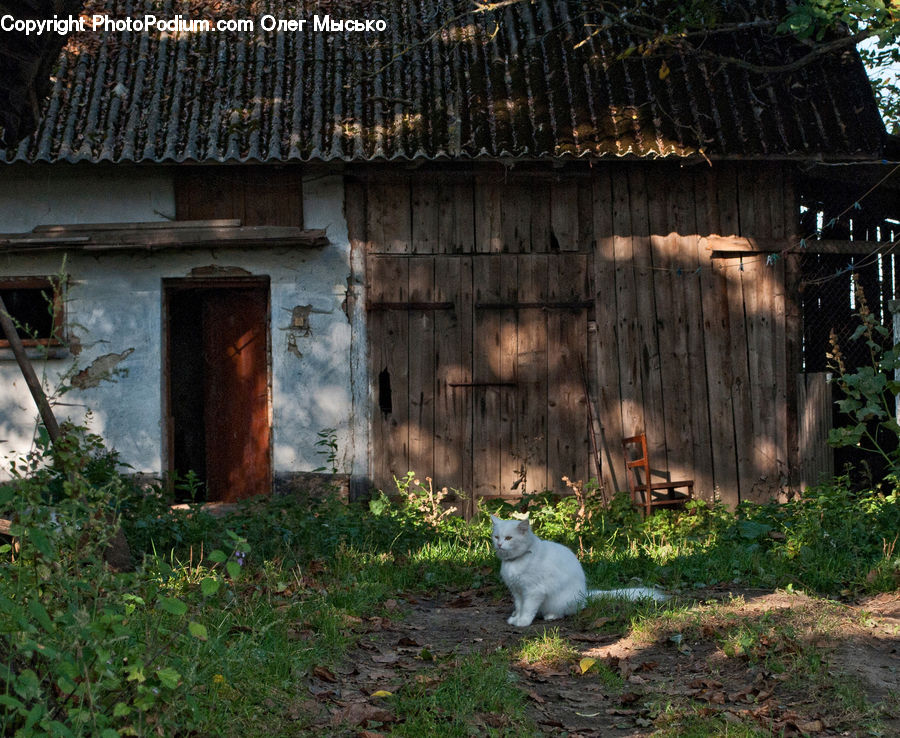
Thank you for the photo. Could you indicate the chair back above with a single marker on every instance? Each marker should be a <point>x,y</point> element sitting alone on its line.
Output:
<point>636,468</point>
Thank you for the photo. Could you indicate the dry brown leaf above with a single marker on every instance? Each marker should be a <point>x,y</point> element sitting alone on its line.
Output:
<point>361,713</point>
<point>536,697</point>
<point>324,674</point>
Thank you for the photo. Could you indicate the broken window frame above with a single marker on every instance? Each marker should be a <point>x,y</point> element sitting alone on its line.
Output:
<point>47,286</point>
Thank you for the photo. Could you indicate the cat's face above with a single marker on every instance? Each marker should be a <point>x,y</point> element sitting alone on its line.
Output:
<point>511,538</point>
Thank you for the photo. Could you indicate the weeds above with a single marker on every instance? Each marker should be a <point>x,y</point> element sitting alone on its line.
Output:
<point>224,618</point>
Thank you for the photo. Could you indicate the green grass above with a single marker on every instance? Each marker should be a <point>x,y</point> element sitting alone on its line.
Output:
<point>473,695</point>
<point>193,641</point>
<point>548,648</point>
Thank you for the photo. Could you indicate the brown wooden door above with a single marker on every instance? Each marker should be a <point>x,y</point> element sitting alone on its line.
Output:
<point>476,365</point>
<point>219,400</point>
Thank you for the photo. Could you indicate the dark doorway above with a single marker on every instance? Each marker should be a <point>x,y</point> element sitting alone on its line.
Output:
<point>217,379</point>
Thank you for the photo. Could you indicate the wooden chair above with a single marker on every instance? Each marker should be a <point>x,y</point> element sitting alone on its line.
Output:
<point>644,493</point>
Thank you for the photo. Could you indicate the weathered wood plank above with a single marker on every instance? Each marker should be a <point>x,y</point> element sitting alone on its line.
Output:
<point>488,215</point>
<point>567,439</point>
<point>511,423</point>
<point>456,218</point>
<point>727,199</point>
<point>647,345</point>
<point>688,282</point>
<point>628,334</point>
<point>453,365</point>
<point>713,291</point>
<point>421,367</point>
<point>606,342</point>
<point>388,281</point>
<point>540,212</point>
<point>488,344</point>
<point>564,215</point>
<point>515,218</point>
<point>425,221</point>
<point>531,370</point>
<point>759,309</point>
<point>389,223</point>
<point>667,299</point>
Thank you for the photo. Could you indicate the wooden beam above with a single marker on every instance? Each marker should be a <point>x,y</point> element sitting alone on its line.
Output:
<point>732,246</point>
<point>126,238</point>
<point>154,225</point>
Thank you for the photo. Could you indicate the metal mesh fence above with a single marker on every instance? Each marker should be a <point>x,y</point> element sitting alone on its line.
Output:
<point>834,288</point>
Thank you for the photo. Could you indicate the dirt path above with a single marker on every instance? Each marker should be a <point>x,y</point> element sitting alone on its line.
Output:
<point>776,661</point>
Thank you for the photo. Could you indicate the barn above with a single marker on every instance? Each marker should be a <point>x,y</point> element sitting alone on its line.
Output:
<point>483,246</point>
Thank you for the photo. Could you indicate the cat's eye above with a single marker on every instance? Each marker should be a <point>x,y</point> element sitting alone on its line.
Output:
<point>508,538</point>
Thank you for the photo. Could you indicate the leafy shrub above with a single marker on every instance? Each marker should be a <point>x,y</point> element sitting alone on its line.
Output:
<point>86,651</point>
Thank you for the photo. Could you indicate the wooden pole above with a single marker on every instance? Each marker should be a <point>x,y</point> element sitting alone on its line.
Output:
<point>34,384</point>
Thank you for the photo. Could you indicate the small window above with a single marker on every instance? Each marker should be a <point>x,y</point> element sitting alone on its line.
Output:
<point>36,306</point>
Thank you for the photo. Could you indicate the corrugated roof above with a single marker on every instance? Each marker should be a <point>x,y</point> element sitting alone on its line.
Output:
<point>512,83</point>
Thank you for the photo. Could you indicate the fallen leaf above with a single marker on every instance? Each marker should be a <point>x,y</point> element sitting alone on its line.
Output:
<point>586,663</point>
<point>324,674</point>
<point>360,713</point>
<point>647,666</point>
<point>382,693</point>
<point>536,697</point>
<point>408,642</point>
<point>628,697</point>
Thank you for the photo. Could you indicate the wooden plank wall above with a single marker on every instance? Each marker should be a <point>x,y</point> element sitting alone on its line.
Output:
<point>255,195</point>
<point>696,349</point>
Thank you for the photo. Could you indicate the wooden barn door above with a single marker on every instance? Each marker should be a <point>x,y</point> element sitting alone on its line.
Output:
<point>218,379</point>
<point>476,366</point>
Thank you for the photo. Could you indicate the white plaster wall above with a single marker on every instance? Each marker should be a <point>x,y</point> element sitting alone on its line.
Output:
<point>114,304</point>
<point>57,195</point>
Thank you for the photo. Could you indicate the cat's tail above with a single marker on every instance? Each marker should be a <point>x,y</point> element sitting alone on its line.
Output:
<point>630,593</point>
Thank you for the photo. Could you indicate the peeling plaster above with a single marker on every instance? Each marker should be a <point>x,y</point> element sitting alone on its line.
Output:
<point>103,367</point>
<point>300,321</point>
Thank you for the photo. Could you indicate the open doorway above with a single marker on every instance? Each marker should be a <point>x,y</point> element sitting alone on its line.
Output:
<point>217,386</point>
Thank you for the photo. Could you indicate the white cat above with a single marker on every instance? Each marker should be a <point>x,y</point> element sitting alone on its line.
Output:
<point>545,577</point>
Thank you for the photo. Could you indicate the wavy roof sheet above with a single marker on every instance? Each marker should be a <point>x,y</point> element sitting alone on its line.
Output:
<point>438,83</point>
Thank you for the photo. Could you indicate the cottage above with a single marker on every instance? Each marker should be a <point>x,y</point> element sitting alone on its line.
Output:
<point>482,247</point>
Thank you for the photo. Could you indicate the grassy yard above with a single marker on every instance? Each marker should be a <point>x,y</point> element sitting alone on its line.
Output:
<point>291,618</point>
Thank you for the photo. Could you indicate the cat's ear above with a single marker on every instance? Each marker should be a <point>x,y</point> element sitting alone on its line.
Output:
<point>523,526</point>
<point>495,520</point>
